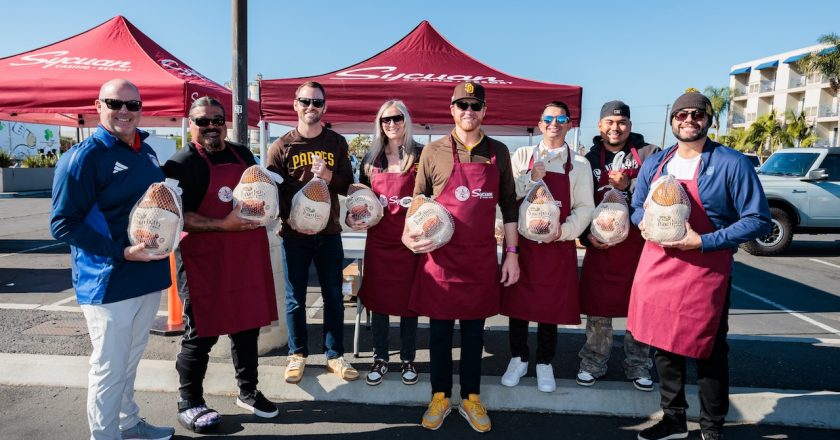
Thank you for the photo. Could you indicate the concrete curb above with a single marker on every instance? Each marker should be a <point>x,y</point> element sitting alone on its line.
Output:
<point>36,193</point>
<point>816,409</point>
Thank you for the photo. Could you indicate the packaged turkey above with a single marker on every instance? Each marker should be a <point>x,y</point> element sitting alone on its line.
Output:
<point>363,205</point>
<point>611,219</point>
<point>257,194</point>
<point>666,210</point>
<point>310,211</point>
<point>539,215</point>
<point>157,219</point>
<point>431,219</point>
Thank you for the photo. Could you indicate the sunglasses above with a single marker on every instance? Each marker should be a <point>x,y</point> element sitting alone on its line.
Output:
<point>695,115</point>
<point>396,119</point>
<point>218,121</point>
<point>561,119</point>
<point>317,103</point>
<point>474,106</point>
<point>117,104</point>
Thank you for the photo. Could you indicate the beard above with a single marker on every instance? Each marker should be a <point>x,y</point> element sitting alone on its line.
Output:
<point>212,144</point>
<point>312,118</point>
<point>700,134</point>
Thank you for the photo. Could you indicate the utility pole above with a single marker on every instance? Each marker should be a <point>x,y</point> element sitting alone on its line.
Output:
<point>239,77</point>
<point>665,127</point>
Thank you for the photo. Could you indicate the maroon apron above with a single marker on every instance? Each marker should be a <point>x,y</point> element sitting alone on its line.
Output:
<point>547,290</point>
<point>678,296</point>
<point>607,274</point>
<point>461,279</point>
<point>231,287</point>
<point>389,266</point>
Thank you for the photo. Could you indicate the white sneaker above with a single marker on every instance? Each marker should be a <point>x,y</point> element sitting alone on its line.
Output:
<point>515,370</point>
<point>585,379</point>
<point>545,378</point>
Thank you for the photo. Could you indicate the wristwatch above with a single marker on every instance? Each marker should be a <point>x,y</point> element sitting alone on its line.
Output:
<point>512,249</point>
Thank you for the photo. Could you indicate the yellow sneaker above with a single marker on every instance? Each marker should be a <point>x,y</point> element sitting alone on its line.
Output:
<point>438,409</point>
<point>342,368</point>
<point>294,369</point>
<point>475,413</point>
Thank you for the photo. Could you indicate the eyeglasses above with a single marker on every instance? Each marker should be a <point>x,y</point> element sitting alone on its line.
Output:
<point>117,104</point>
<point>396,119</point>
<point>317,103</point>
<point>561,119</point>
<point>474,106</point>
<point>218,121</point>
<point>695,114</point>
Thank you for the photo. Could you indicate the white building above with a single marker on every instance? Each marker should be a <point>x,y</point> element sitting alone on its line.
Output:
<point>775,82</point>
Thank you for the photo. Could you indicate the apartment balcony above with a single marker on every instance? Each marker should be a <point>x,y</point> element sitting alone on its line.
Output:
<point>797,82</point>
<point>827,111</point>
<point>738,118</point>
<point>767,86</point>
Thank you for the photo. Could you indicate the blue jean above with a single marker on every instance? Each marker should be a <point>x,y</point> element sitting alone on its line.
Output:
<point>327,253</point>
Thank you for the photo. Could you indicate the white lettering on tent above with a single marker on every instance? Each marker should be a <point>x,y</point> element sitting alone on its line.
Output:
<point>388,73</point>
<point>176,68</point>
<point>58,60</point>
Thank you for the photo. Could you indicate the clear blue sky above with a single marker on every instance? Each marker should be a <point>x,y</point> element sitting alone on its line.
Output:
<point>645,53</point>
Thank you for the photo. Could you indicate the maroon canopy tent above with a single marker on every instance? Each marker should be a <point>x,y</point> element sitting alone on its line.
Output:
<point>421,69</point>
<point>57,84</point>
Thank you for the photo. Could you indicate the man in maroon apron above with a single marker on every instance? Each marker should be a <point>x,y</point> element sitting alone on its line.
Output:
<point>224,268</point>
<point>469,174</point>
<point>607,274</point>
<point>680,295</point>
<point>547,290</point>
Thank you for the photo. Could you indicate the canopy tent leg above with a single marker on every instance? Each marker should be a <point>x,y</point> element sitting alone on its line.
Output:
<point>263,140</point>
<point>183,132</point>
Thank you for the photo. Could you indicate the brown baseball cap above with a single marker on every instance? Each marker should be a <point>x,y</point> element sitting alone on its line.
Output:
<point>468,90</point>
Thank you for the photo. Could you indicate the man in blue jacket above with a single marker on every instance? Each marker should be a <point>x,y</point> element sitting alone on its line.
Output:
<point>118,286</point>
<point>680,296</point>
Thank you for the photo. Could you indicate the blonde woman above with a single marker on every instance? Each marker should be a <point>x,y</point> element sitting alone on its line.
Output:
<point>389,168</point>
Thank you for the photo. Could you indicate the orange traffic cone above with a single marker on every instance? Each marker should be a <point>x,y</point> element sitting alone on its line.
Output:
<point>173,325</point>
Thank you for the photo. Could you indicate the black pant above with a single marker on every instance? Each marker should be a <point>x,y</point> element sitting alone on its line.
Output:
<point>712,380</point>
<point>408,337</point>
<point>192,360</point>
<point>440,348</point>
<point>546,341</point>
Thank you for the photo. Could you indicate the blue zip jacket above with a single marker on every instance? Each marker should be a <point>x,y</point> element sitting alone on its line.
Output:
<point>729,190</point>
<point>96,184</point>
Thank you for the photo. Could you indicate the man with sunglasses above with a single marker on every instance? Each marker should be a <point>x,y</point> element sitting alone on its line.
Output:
<point>117,285</point>
<point>680,295</point>
<point>607,274</point>
<point>469,174</point>
<point>307,151</point>
<point>224,268</point>
<point>547,291</point>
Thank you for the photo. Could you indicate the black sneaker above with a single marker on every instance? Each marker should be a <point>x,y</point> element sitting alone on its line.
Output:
<point>665,429</point>
<point>377,372</point>
<point>258,404</point>
<point>409,373</point>
<point>711,435</point>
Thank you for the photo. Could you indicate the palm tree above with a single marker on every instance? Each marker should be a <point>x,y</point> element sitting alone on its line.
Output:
<point>826,62</point>
<point>797,131</point>
<point>765,132</point>
<point>719,96</point>
<point>735,138</point>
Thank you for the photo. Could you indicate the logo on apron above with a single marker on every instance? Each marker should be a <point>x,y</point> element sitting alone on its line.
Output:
<point>405,202</point>
<point>225,194</point>
<point>462,193</point>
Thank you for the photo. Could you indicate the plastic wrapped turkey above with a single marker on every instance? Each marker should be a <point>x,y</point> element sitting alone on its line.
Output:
<point>310,211</point>
<point>611,219</point>
<point>666,210</point>
<point>432,219</point>
<point>257,194</point>
<point>539,215</point>
<point>157,219</point>
<point>363,205</point>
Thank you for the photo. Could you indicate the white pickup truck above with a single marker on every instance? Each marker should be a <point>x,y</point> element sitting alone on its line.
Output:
<point>803,188</point>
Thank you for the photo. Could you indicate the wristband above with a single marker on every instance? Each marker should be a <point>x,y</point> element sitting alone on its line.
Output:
<point>512,249</point>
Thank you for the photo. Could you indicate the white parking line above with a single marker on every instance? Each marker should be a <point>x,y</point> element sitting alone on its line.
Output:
<point>825,262</point>
<point>789,311</point>
<point>64,301</point>
<point>31,250</point>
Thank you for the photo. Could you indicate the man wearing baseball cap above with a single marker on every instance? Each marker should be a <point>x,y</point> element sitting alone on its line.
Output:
<point>680,295</point>
<point>607,274</point>
<point>469,174</point>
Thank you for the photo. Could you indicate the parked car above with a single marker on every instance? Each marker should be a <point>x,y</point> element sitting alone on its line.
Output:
<point>754,159</point>
<point>803,188</point>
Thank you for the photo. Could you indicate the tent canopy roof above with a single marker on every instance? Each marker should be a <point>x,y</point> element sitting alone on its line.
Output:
<point>421,69</point>
<point>57,84</point>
